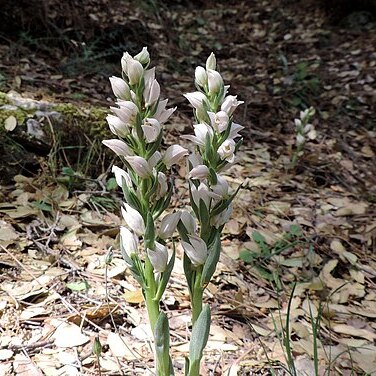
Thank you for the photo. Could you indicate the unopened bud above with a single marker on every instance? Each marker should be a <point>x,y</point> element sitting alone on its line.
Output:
<point>196,250</point>
<point>211,62</point>
<point>143,57</point>
<point>158,257</point>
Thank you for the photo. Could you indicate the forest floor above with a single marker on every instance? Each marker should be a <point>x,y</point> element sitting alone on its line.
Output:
<point>312,226</point>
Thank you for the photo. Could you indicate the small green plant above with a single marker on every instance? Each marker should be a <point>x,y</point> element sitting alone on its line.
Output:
<point>259,258</point>
<point>301,80</point>
<point>306,84</point>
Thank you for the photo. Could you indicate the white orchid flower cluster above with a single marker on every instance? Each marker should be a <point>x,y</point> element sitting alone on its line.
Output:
<point>137,121</point>
<point>217,139</point>
<point>304,130</point>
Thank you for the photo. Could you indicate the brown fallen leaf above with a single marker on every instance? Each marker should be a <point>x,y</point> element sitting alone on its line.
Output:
<point>134,297</point>
<point>354,332</point>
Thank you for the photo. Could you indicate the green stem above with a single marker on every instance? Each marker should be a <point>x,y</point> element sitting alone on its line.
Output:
<point>150,292</point>
<point>197,295</point>
<point>195,369</point>
<point>295,156</point>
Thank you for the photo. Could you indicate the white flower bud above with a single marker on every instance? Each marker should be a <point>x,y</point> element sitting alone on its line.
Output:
<point>226,150</point>
<point>151,93</point>
<point>126,112</point>
<point>168,225</point>
<point>161,113</point>
<point>312,134</point>
<point>201,77</point>
<point>203,193</point>
<point>300,139</point>
<point>211,62</point>
<point>219,121</point>
<point>174,154</point>
<point>201,130</point>
<point>234,130</point>
<point>120,88</point>
<point>298,123</point>
<point>152,88</point>
<point>221,188</point>
<point>199,172</point>
<point>215,82</point>
<point>117,126</point>
<point>188,221</point>
<point>307,128</point>
<point>134,71</point>
<point>196,250</point>
<point>120,176</point>
<point>118,147</point>
<point>154,159</point>
<point>143,57</point>
<point>124,61</point>
<point>195,159</point>
<point>151,129</point>
<point>196,99</point>
<point>133,219</point>
<point>221,218</point>
<point>129,241</point>
<point>158,257</point>
<point>140,166</point>
<point>230,104</point>
<point>162,185</point>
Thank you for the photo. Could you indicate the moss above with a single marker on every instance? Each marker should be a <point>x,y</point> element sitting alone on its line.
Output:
<point>18,113</point>
<point>77,125</point>
<point>3,98</point>
<point>90,120</point>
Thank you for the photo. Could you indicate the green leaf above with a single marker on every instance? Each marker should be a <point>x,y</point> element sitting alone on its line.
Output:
<point>204,215</point>
<point>162,345</point>
<point>41,205</point>
<point>189,272</point>
<point>257,237</point>
<point>162,204</point>
<point>149,232</point>
<point>264,273</point>
<point>133,265</point>
<point>224,203</point>
<point>97,347</point>
<point>212,261</point>
<point>131,198</point>
<point>293,262</point>
<point>186,366</point>
<point>165,277</point>
<point>154,146</point>
<point>213,176</point>
<point>246,256</point>
<point>78,285</point>
<point>199,339</point>
<point>67,171</point>
<point>111,184</point>
<point>295,230</point>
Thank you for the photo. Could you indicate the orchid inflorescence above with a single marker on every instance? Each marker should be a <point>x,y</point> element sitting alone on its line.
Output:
<point>304,130</point>
<point>137,121</point>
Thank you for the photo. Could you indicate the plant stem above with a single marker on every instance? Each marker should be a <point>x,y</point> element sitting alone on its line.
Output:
<point>150,291</point>
<point>197,295</point>
<point>152,305</point>
<point>195,370</point>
